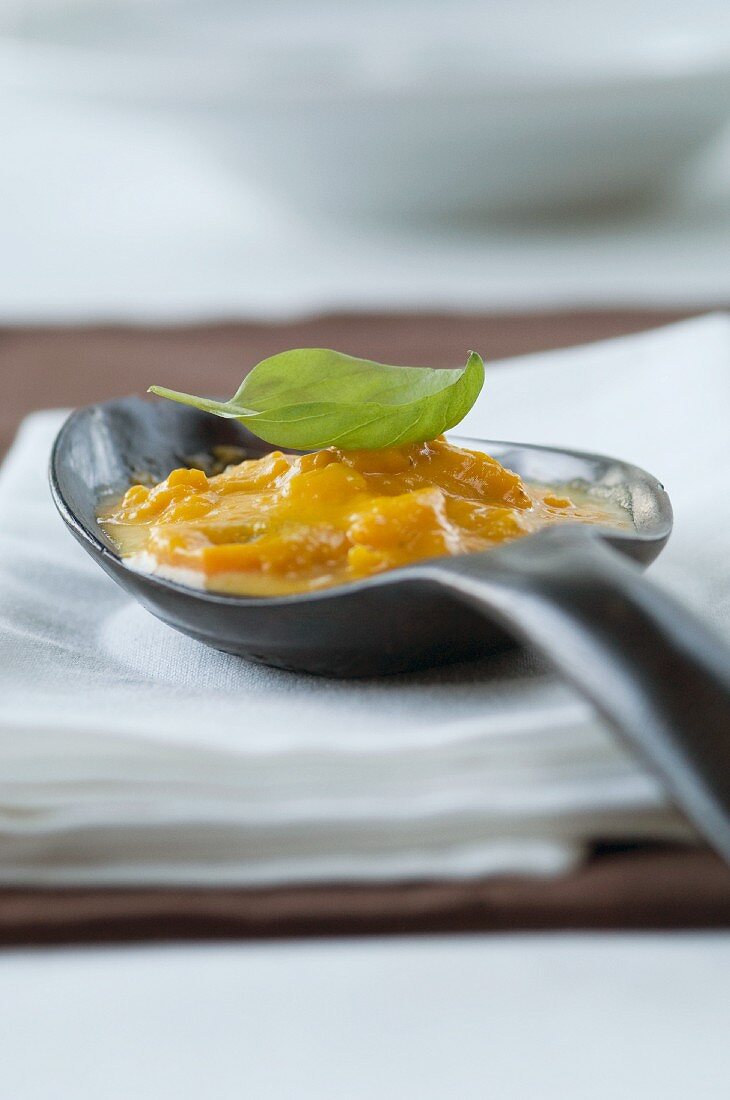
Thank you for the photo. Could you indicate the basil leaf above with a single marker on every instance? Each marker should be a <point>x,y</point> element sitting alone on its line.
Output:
<point>313,397</point>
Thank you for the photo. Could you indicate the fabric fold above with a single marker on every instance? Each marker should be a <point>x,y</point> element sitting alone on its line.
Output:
<point>131,754</point>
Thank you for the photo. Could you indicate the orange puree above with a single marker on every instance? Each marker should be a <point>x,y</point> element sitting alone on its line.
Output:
<point>295,523</point>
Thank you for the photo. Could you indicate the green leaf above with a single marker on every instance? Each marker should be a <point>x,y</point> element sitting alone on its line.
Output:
<point>313,397</point>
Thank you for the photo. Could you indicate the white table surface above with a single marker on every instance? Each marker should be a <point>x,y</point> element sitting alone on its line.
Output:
<point>112,215</point>
<point>586,1017</point>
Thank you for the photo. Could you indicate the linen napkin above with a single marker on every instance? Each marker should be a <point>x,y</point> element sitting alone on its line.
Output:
<point>131,754</point>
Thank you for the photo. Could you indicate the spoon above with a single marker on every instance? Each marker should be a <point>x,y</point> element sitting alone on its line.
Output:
<point>574,593</point>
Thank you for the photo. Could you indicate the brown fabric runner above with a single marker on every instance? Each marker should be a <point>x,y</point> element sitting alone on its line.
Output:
<point>47,367</point>
<point>641,888</point>
<point>659,889</point>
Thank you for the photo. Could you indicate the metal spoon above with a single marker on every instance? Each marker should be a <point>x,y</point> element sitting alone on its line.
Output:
<point>650,667</point>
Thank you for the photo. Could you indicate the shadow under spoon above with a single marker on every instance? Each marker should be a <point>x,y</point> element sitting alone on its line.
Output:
<point>574,593</point>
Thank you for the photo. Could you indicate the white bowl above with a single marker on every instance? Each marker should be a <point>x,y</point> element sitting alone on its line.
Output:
<point>403,109</point>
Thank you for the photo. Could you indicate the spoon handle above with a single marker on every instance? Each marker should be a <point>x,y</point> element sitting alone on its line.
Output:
<point>648,665</point>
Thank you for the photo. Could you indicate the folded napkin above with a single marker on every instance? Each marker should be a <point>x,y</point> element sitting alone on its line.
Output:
<point>131,754</point>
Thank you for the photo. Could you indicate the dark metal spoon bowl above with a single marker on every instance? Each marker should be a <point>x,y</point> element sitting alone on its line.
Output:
<point>646,663</point>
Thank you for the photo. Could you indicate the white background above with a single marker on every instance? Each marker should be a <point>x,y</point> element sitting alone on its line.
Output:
<point>114,214</point>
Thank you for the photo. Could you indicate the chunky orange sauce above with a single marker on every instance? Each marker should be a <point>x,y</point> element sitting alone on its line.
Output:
<point>295,523</point>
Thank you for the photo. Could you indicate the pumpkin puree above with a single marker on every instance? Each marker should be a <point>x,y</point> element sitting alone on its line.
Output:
<point>295,523</point>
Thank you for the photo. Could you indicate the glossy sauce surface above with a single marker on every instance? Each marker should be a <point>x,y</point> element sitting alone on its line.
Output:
<point>296,523</point>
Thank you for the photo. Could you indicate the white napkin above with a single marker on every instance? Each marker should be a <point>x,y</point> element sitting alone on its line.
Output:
<point>129,753</point>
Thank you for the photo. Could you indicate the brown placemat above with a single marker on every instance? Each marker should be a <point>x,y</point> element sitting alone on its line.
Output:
<point>52,366</point>
<point>640,888</point>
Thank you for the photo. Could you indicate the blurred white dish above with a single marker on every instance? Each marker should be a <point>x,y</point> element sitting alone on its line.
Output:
<point>404,109</point>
